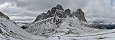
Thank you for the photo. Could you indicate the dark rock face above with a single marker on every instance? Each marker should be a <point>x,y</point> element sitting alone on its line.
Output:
<point>41,17</point>
<point>46,15</point>
<point>51,13</point>
<point>59,7</point>
<point>79,14</point>
<point>68,12</point>
<point>3,16</point>
<point>1,31</point>
<point>61,13</point>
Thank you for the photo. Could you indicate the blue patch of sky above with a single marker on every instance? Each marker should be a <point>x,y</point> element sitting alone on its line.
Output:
<point>113,2</point>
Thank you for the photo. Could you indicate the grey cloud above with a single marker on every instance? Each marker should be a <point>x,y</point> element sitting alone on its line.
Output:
<point>91,7</point>
<point>44,5</point>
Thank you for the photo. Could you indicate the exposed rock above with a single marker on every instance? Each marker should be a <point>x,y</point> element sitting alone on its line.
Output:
<point>60,21</point>
<point>48,14</point>
<point>41,17</point>
<point>51,13</point>
<point>61,13</point>
<point>55,10</point>
<point>68,12</point>
<point>1,31</point>
<point>59,7</point>
<point>3,16</point>
<point>79,14</point>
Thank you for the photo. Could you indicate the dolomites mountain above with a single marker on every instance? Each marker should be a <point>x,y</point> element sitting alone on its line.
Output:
<point>80,15</point>
<point>62,24</point>
<point>56,24</point>
<point>61,13</point>
<point>58,20</point>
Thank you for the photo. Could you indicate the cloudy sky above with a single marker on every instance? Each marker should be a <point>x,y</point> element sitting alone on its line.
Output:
<point>92,8</point>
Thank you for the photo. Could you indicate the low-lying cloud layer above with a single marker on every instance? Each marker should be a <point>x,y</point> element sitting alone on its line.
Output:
<point>92,8</point>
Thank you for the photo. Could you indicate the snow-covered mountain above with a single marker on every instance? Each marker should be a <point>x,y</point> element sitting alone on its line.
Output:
<point>60,21</point>
<point>56,24</point>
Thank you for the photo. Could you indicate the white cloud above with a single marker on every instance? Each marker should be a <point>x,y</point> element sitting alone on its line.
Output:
<point>6,5</point>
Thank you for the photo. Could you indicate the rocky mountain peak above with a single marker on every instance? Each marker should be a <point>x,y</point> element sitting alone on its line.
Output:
<point>61,13</point>
<point>53,9</point>
<point>68,12</point>
<point>59,7</point>
<point>79,14</point>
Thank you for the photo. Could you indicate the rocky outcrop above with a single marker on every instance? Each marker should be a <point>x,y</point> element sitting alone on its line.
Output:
<point>3,16</point>
<point>41,17</point>
<point>61,13</point>
<point>59,7</point>
<point>50,13</point>
<point>68,12</point>
<point>80,15</point>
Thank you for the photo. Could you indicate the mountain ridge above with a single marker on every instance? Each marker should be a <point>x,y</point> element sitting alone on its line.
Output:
<point>58,18</point>
<point>61,13</point>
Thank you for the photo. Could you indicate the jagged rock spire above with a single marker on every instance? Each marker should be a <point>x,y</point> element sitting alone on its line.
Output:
<point>59,7</point>
<point>79,14</point>
<point>53,9</point>
<point>68,12</point>
<point>61,13</point>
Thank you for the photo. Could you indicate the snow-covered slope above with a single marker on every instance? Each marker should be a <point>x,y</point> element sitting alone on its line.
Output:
<point>11,31</point>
